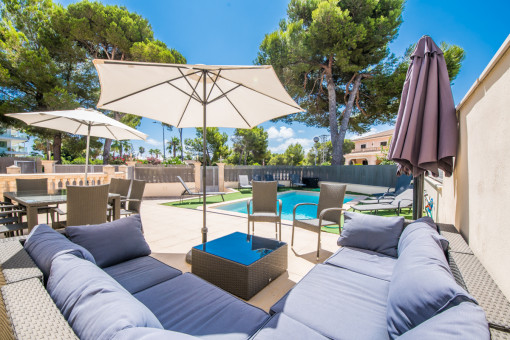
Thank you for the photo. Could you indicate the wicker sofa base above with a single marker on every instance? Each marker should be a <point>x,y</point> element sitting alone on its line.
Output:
<point>238,279</point>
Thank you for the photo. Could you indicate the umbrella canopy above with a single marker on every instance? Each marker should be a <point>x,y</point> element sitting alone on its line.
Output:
<point>80,121</point>
<point>426,132</point>
<point>236,96</point>
<point>195,96</point>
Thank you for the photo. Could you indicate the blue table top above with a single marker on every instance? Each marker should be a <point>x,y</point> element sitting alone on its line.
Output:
<point>241,248</point>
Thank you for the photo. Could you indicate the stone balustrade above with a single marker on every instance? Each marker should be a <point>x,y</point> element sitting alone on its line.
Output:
<point>59,180</point>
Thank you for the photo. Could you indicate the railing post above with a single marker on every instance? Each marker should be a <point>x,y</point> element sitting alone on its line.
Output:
<point>124,169</point>
<point>49,166</point>
<point>196,169</point>
<point>13,169</point>
<point>221,176</point>
<point>109,170</point>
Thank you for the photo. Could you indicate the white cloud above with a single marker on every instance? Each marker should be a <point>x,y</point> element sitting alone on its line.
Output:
<point>280,135</point>
<point>301,131</point>
<point>152,141</point>
<point>305,143</point>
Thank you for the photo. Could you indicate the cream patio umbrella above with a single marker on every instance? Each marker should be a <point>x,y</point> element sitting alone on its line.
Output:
<point>86,122</point>
<point>194,96</point>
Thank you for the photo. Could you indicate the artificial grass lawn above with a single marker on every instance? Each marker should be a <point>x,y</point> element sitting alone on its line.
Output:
<point>194,203</point>
<point>246,193</point>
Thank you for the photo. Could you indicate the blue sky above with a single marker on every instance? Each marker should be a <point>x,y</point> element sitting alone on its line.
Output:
<point>230,32</point>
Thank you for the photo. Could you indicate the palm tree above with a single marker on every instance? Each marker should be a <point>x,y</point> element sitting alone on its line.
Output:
<point>174,145</point>
<point>116,147</point>
<point>141,151</point>
<point>157,152</point>
<point>152,152</point>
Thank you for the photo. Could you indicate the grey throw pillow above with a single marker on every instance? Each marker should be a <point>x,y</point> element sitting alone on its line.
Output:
<point>370,232</point>
<point>112,243</point>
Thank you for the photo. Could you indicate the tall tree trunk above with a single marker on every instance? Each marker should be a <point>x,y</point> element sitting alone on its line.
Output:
<point>57,147</point>
<point>344,123</point>
<point>333,121</point>
<point>48,149</point>
<point>245,156</point>
<point>182,147</point>
<point>106,150</point>
<point>241,157</point>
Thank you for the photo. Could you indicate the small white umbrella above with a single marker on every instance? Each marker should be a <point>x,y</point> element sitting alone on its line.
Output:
<point>80,121</point>
<point>194,96</point>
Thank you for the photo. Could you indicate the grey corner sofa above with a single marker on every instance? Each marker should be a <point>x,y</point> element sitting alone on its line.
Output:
<point>101,283</point>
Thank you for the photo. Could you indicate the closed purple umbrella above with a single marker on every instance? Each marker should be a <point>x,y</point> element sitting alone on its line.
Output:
<point>426,133</point>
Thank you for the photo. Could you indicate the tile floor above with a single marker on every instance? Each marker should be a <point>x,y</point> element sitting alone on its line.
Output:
<point>171,232</point>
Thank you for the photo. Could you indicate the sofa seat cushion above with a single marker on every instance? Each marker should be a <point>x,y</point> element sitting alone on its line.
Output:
<point>190,305</point>
<point>44,243</point>
<point>112,243</point>
<point>280,326</point>
<point>422,285</point>
<point>464,321</point>
<point>95,305</point>
<point>146,333</point>
<point>141,273</point>
<point>370,232</point>
<point>364,261</point>
<point>338,303</point>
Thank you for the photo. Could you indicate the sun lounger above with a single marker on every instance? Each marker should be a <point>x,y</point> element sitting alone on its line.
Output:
<point>387,200</point>
<point>270,178</point>
<point>187,191</point>
<point>295,180</point>
<point>244,183</point>
<point>403,201</point>
<point>403,183</point>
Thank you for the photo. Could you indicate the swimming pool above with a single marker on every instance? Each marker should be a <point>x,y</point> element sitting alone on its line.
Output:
<point>289,200</point>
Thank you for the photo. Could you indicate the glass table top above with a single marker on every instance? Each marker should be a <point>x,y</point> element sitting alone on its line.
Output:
<point>240,247</point>
<point>42,196</point>
<point>35,196</point>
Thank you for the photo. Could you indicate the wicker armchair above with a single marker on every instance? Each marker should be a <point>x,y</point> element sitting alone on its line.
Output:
<point>35,185</point>
<point>134,201</point>
<point>329,211</point>
<point>264,206</point>
<point>86,204</point>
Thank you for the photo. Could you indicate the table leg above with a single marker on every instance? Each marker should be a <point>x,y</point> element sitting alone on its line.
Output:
<point>116,208</point>
<point>31,217</point>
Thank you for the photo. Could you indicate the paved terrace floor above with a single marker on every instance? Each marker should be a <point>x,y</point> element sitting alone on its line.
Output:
<point>171,232</point>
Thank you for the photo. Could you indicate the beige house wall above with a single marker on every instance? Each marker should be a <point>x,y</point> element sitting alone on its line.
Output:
<point>370,153</point>
<point>477,197</point>
<point>370,142</point>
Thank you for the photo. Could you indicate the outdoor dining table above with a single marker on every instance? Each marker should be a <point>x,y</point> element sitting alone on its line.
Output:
<point>32,200</point>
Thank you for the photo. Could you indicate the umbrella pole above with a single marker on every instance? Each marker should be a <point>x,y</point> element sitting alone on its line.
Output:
<point>87,156</point>
<point>418,196</point>
<point>204,212</point>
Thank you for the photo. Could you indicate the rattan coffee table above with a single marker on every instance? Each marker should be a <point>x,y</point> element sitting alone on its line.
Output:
<point>239,263</point>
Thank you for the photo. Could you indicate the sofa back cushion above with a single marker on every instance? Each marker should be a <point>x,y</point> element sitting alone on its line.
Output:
<point>44,243</point>
<point>420,228</point>
<point>464,321</point>
<point>114,242</point>
<point>93,303</point>
<point>422,285</point>
<point>376,233</point>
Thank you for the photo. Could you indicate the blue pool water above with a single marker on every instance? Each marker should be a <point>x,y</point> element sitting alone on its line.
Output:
<point>289,200</point>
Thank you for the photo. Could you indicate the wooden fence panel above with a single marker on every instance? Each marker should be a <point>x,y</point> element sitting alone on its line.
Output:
<point>379,175</point>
